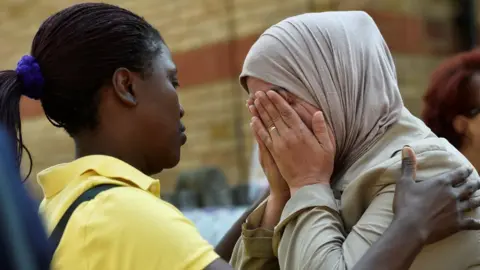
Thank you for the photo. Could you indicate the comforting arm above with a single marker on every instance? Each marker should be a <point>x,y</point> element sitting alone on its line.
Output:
<point>227,244</point>
<point>393,250</point>
<point>314,237</point>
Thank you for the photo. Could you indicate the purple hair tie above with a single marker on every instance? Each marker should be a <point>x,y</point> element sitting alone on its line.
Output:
<point>31,76</point>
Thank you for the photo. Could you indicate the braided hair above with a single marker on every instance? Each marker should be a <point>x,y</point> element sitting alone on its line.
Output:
<point>74,53</point>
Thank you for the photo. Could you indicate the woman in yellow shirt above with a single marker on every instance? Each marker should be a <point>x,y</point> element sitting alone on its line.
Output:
<point>105,75</point>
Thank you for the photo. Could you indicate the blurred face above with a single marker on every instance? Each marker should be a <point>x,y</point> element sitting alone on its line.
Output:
<point>158,115</point>
<point>304,109</point>
<point>469,125</point>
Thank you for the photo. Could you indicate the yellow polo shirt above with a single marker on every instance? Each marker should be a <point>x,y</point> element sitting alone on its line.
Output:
<point>126,227</point>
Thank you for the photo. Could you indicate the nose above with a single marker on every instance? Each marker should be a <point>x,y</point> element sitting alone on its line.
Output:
<point>182,111</point>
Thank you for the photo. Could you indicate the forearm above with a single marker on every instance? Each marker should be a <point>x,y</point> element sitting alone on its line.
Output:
<point>313,232</point>
<point>254,249</point>
<point>273,212</point>
<point>225,248</point>
<point>395,250</point>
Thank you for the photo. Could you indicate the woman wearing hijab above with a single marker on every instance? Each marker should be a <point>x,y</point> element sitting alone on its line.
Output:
<point>339,63</point>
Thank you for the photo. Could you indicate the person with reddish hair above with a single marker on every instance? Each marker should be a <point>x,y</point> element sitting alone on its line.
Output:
<point>452,103</point>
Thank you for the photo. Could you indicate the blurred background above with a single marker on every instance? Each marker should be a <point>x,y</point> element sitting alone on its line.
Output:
<point>209,39</point>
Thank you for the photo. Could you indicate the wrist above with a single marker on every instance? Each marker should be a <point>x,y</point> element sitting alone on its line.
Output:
<point>294,189</point>
<point>273,211</point>
<point>281,198</point>
<point>410,226</point>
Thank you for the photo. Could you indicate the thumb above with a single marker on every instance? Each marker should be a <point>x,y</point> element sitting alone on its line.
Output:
<point>409,164</point>
<point>320,130</point>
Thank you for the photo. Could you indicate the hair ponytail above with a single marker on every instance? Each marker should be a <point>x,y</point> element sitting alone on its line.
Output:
<point>11,89</point>
<point>74,53</point>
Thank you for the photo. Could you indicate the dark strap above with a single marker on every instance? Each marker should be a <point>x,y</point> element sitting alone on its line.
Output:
<point>88,195</point>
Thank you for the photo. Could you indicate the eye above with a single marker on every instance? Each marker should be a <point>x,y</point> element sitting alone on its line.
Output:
<point>175,84</point>
<point>174,81</point>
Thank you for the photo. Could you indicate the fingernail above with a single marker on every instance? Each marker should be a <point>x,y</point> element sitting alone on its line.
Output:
<point>250,108</point>
<point>405,151</point>
<point>321,115</point>
<point>258,94</point>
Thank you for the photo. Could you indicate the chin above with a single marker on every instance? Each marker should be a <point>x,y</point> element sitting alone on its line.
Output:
<point>159,163</point>
<point>172,165</point>
<point>172,161</point>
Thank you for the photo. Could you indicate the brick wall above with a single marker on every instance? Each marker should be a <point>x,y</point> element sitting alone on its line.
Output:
<point>209,39</point>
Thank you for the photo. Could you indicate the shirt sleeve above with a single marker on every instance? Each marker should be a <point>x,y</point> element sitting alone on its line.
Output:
<point>311,234</point>
<point>254,248</point>
<point>130,229</point>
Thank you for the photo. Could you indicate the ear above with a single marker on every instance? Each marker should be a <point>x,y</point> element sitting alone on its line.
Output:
<point>123,86</point>
<point>460,124</point>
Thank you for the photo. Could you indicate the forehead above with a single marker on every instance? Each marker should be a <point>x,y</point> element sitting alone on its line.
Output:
<point>474,92</point>
<point>255,85</point>
<point>164,61</point>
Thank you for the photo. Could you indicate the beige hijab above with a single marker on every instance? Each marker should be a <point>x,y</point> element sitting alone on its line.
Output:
<point>339,62</point>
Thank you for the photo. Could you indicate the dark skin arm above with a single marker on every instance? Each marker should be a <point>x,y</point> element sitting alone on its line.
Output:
<point>393,250</point>
<point>427,212</point>
<point>418,215</point>
<point>225,248</point>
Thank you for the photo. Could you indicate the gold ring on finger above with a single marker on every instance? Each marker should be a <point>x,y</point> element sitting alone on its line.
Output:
<point>272,129</point>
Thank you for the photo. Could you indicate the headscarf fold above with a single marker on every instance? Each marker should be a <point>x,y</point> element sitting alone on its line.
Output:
<point>339,62</point>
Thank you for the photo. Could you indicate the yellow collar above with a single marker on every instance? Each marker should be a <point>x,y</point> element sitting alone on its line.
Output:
<point>55,179</point>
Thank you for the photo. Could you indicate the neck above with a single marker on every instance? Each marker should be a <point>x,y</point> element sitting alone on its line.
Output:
<point>471,154</point>
<point>96,144</point>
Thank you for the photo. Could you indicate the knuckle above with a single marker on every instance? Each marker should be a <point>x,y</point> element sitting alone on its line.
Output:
<point>445,180</point>
<point>408,162</point>
<point>269,106</point>
<point>471,187</point>
<point>275,118</point>
<point>476,185</point>
<point>282,146</point>
<point>265,138</point>
<point>474,202</point>
<point>268,143</point>
<point>267,124</point>
<point>453,195</point>
<point>290,140</point>
<point>303,131</point>
<point>285,113</point>
<point>463,172</point>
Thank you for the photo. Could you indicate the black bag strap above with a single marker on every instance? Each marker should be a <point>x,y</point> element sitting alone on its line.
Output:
<point>88,195</point>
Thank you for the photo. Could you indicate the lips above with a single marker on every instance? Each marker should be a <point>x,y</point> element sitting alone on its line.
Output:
<point>182,134</point>
<point>183,138</point>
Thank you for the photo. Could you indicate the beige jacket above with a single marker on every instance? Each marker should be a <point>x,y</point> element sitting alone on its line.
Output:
<point>317,231</point>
